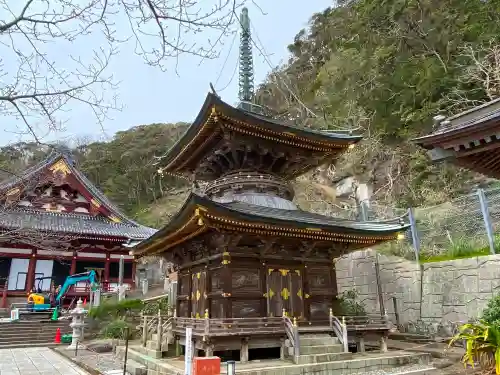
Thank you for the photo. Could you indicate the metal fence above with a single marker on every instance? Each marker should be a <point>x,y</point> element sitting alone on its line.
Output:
<point>462,226</point>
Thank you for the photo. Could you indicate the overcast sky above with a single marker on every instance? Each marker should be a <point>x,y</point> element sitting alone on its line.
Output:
<point>149,95</point>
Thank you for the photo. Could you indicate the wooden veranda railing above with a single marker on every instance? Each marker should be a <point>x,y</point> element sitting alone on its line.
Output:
<point>164,325</point>
<point>207,327</point>
<point>292,333</point>
<point>340,330</point>
<point>230,326</point>
<point>367,322</point>
<point>159,324</point>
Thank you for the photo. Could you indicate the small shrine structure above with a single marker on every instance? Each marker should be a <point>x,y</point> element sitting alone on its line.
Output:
<point>54,223</point>
<point>470,139</point>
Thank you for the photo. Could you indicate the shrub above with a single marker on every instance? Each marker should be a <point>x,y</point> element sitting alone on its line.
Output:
<point>116,330</point>
<point>491,314</point>
<point>349,304</point>
<point>151,308</point>
<point>113,309</point>
<point>482,345</point>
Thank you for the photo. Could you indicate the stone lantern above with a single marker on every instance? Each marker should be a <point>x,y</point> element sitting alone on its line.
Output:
<point>77,324</point>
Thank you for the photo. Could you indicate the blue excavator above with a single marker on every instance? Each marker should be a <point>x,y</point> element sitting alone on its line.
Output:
<point>38,301</point>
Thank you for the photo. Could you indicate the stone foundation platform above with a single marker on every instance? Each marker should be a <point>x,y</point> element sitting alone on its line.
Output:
<point>320,355</point>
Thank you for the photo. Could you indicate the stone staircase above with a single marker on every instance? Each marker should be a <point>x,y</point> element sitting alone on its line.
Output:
<point>319,349</point>
<point>319,354</point>
<point>25,333</point>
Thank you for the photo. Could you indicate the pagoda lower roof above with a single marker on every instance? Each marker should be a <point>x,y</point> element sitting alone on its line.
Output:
<point>470,139</point>
<point>70,224</point>
<point>200,214</point>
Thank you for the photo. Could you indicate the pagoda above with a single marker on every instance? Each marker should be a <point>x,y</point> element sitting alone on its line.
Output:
<point>242,248</point>
<point>54,222</point>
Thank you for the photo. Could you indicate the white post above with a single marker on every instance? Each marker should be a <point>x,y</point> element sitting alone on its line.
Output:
<point>166,284</point>
<point>121,289</point>
<point>145,287</point>
<point>188,355</point>
<point>121,292</point>
<point>97,297</point>
<point>159,331</point>
<point>121,266</point>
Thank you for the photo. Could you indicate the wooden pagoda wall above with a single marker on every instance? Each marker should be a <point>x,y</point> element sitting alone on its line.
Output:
<point>244,288</point>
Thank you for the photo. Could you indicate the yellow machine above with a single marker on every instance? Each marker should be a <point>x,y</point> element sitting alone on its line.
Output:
<point>45,301</point>
<point>38,301</point>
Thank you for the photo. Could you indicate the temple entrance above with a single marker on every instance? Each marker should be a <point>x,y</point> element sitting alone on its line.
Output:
<point>284,291</point>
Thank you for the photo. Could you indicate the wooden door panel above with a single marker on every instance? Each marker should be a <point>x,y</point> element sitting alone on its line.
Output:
<point>199,295</point>
<point>274,302</point>
<point>284,291</point>
<point>297,294</point>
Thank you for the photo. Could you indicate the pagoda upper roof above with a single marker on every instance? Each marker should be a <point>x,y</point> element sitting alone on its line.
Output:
<point>200,139</point>
<point>470,139</point>
<point>200,214</point>
<point>111,221</point>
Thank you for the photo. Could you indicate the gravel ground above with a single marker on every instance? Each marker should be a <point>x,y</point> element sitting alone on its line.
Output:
<point>458,369</point>
<point>399,370</point>
<point>101,362</point>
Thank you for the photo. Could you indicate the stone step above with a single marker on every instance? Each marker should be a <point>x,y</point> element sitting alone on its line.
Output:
<point>35,332</point>
<point>151,344</point>
<point>136,368</point>
<point>321,358</point>
<point>394,363</point>
<point>405,370</point>
<point>24,338</point>
<point>309,340</point>
<point>153,365</point>
<point>20,336</point>
<point>378,363</point>
<point>6,327</point>
<point>26,343</point>
<point>321,349</point>
<point>120,352</point>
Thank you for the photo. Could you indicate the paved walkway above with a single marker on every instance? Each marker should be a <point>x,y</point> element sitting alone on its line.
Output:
<point>36,361</point>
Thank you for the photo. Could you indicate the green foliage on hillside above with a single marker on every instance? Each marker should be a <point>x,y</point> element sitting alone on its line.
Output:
<point>124,168</point>
<point>386,67</point>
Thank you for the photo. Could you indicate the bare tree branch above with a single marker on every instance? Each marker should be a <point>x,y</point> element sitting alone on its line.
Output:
<point>37,86</point>
<point>480,75</point>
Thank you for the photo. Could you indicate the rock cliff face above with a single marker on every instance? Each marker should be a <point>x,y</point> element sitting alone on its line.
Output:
<point>435,293</point>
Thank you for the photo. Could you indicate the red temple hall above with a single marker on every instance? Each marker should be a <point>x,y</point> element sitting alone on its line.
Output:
<point>55,223</point>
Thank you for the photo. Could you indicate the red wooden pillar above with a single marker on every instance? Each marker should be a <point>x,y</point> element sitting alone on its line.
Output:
<point>30,277</point>
<point>106,267</point>
<point>4,295</point>
<point>73,264</point>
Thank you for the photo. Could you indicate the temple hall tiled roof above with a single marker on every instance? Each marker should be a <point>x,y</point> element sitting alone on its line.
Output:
<point>71,223</point>
<point>68,223</point>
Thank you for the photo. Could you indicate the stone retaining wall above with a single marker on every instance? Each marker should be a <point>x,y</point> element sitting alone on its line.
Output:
<point>450,291</point>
